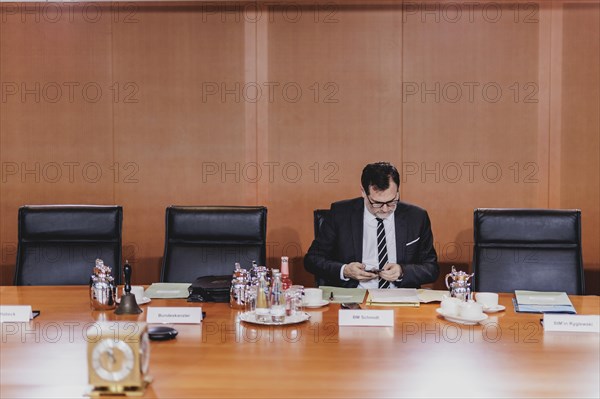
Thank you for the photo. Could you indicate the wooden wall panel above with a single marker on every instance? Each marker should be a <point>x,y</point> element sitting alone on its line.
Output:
<point>185,137</point>
<point>580,140</point>
<point>283,105</point>
<point>470,122</point>
<point>56,144</point>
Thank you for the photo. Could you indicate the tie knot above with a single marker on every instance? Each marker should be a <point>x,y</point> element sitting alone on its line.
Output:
<point>379,220</point>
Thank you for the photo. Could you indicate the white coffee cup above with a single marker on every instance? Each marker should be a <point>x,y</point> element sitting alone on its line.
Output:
<point>470,310</point>
<point>138,292</point>
<point>487,299</point>
<point>450,305</point>
<point>313,296</point>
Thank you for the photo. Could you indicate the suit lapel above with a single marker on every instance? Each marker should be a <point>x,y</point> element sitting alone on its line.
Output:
<point>400,222</point>
<point>357,229</point>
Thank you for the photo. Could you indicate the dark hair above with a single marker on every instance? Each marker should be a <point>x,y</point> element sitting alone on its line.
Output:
<point>378,175</point>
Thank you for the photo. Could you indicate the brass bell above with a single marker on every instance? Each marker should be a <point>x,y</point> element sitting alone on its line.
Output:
<point>128,304</point>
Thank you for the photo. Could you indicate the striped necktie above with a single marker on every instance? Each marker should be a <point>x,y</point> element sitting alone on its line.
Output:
<point>382,253</point>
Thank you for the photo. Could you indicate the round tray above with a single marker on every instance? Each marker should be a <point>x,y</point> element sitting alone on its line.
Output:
<point>250,317</point>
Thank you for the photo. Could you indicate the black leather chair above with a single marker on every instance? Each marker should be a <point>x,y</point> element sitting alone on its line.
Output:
<point>59,244</point>
<point>528,249</point>
<point>208,240</point>
<point>318,216</point>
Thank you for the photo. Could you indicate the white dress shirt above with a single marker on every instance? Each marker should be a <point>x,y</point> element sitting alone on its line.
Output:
<point>369,251</point>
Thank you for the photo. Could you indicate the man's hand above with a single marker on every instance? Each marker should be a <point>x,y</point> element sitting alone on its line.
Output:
<point>390,272</point>
<point>356,271</point>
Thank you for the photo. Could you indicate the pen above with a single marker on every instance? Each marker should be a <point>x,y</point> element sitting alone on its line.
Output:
<point>331,296</point>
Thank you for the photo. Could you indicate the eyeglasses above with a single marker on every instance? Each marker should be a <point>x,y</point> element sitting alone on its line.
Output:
<point>377,204</point>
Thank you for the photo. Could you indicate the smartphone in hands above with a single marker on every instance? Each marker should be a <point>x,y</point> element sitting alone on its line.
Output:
<point>374,271</point>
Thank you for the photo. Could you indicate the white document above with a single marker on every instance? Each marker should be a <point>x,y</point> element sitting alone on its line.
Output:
<point>426,296</point>
<point>397,295</point>
<point>186,315</point>
<point>167,290</point>
<point>15,313</point>
<point>542,298</point>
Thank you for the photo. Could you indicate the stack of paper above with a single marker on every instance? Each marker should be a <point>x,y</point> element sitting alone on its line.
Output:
<point>395,297</point>
<point>168,290</point>
<point>542,302</point>
<point>427,296</point>
<point>357,295</point>
<point>341,295</point>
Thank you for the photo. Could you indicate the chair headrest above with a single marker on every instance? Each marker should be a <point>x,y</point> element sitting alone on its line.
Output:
<point>496,225</point>
<point>216,223</point>
<point>70,222</point>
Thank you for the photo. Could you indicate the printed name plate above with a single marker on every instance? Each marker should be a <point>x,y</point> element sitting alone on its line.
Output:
<point>379,318</point>
<point>15,313</point>
<point>174,315</point>
<point>572,323</point>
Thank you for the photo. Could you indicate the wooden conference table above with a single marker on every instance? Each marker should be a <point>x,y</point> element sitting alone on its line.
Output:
<point>423,355</point>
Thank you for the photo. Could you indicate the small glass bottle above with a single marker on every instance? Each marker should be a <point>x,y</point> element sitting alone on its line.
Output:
<point>277,298</point>
<point>262,311</point>
<point>251,287</point>
<point>264,269</point>
<point>237,295</point>
<point>285,273</point>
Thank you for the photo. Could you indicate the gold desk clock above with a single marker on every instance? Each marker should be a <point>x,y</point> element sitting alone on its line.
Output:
<point>118,358</point>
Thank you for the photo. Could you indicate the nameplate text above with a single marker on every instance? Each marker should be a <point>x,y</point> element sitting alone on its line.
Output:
<point>15,313</point>
<point>174,315</point>
<point>571,323</point>
<point>378,318</point>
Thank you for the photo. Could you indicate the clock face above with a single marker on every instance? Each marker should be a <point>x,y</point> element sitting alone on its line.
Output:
<point>112,360</point>
<point>144,353</point>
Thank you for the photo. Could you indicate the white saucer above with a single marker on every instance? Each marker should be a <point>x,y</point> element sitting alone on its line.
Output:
<point>462,320</point>
<point>315,304</point>
<point>494,309</point>
<point>142,302</point>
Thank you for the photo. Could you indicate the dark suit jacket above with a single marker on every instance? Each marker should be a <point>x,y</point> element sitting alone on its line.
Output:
<point>340,242</point>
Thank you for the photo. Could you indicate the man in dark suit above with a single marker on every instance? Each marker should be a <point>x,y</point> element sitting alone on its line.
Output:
<point>375,241</point>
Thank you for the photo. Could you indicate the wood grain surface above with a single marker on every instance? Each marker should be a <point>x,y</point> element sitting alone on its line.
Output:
<point>423,355</point>
<point>281,104</point>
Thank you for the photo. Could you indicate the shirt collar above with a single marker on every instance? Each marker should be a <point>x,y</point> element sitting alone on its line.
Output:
<point>368,217</point>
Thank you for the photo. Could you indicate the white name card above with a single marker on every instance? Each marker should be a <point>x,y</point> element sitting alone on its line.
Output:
<point>15,313</point>
<point>572,323</point>
<point>378,318</point>
<point>174,315</point>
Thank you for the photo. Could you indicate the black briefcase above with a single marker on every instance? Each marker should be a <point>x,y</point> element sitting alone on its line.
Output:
<point>210,289</point>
